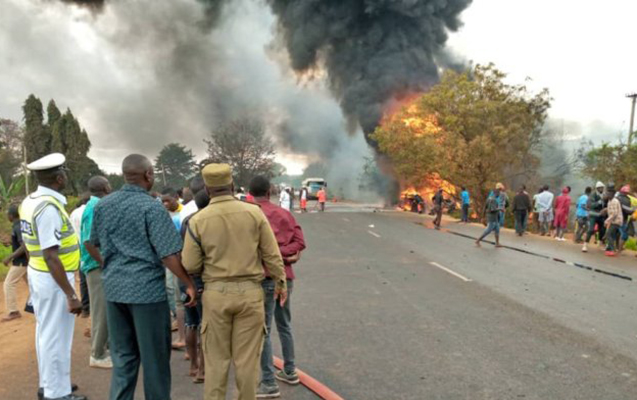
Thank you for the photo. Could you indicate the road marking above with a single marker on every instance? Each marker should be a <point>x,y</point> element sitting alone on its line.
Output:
<point>317,387</point>
<point>346,220</point>
<point>447,270</point>
<point>373,234</point>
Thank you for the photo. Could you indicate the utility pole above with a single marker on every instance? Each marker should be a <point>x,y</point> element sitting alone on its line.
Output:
<point>24,169</point>
<point>632,96</point>
<point>163,174</point>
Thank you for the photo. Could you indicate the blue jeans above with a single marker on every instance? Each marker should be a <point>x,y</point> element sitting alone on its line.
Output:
<point>465,213</point>
<point>283,319</point>
<point>494,226</point>
<point>193,315</point>
<point>624,231</point>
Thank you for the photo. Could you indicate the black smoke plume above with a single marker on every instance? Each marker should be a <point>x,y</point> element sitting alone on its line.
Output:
<point>374,51</point>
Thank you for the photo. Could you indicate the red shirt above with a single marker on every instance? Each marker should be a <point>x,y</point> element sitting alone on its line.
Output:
<point>287,231</point>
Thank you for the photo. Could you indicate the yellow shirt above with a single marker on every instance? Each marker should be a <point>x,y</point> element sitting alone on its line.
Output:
<point>235,242</point>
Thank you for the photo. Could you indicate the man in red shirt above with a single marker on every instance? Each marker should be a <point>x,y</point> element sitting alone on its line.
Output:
<point>290,239</point>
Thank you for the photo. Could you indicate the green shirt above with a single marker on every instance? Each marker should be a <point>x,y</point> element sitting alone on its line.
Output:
<point>88,263</point>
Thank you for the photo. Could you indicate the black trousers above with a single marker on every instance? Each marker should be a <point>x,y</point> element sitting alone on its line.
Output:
<point>86,302</point>
<point>139,334</point>
<point>521,219</point>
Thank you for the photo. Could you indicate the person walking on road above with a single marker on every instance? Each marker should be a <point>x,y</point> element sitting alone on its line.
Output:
<point>290,239</point>
<point>466,201</point>
<point>596,207</point>
<point>521,210</point>
<point>92,268</point>
<point>562,209</point>
<point>304,199</point>
<point>228,243</point>
<point>284,199</point>
<point>138,241</point>
<point>17,271</point>
<point>322,198</point>
<point>438,200</point>
<point>54,257</point>
<point>613,222</point>
<point>581,214</point>
<point>536,209</point>
<point>503,198</point>
<point>492,210</point>
<point>545,209</point>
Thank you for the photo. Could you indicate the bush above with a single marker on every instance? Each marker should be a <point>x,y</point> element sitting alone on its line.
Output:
<point>4,252</point>
<point>631,244</point>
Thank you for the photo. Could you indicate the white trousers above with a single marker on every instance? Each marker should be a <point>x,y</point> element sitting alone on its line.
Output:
<point>53,333</point>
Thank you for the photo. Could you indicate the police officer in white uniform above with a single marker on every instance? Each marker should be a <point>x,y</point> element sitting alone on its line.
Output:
<point>53,248</point>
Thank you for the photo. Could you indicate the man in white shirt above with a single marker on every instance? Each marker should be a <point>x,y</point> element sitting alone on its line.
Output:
<point>284,199</point>
<point>196,185</point>
<point>544,205</point>
<point>76,221</point>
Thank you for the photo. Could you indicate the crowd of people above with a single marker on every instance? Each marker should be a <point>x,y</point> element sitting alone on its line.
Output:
<point>288,195</point>
<point>604,214</point>
<point>196,261</point>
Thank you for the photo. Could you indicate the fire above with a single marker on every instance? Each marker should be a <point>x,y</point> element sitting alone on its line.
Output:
<point>426,190</point>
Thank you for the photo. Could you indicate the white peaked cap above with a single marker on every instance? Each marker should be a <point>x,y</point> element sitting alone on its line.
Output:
<point>50,161</point>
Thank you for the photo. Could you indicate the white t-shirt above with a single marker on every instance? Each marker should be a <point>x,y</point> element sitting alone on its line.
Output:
<point>188,209</point>
<point>545,201</point>
<point>284,200</point>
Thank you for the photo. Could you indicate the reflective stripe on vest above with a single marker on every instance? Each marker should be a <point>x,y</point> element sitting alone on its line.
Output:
<point>69,249</point>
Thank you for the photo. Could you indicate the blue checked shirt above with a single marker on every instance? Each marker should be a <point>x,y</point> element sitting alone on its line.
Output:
<point>134,232</point>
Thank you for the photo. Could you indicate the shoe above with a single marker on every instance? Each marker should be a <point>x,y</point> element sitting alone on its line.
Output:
<point>609,253</point>
<point>104,363</point>
<point>69,397</point>
<point>584,248</point>
<point>74,388</point>
<point>268,392</point>
<point>290,379</point>
<point>11,316</point>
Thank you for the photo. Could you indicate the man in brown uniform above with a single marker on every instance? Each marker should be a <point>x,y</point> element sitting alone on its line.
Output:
<point>228,242</point>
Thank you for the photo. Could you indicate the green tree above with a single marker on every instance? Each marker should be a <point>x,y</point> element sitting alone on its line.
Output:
<point>471,129</point>
<point>11,136</point>
<point>610,163</point>
<point>176,164</point>
<point>116,180</point>
<point>242,143</point>
<point>37,137</point>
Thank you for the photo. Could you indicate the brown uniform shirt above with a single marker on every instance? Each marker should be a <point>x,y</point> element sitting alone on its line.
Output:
<point>235,242</point>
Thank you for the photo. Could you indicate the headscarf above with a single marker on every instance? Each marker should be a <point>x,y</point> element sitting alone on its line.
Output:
<point>625,189</point>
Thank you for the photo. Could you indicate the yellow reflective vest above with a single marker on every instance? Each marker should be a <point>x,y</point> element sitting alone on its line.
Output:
<point>69,251</point>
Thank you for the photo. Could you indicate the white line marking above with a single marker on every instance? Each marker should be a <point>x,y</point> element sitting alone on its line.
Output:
<point>346,220</point>
<point>447,270</point>
<point>373,234</point>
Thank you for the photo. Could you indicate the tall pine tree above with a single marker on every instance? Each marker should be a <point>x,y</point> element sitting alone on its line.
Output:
<point>62,134</point>
<point>36,135</point>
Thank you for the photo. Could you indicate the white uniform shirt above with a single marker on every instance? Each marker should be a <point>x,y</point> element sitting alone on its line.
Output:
<point>49,221</point>
<point>303,194</point>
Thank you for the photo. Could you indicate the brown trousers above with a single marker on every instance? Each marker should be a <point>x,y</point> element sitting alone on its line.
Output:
<point>232,330</point>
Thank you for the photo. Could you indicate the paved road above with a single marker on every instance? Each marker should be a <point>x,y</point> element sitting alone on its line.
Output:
<point>375,319</point>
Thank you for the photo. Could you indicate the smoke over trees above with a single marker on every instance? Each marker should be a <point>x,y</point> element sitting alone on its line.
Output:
<point>373,50</point>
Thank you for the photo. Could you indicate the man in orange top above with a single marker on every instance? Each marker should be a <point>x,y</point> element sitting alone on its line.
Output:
<point>322,197</point>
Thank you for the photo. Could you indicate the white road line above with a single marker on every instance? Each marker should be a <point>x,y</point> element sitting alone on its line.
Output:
<point>447,270</point>
<point>346,220</point>
<point>373,234</point>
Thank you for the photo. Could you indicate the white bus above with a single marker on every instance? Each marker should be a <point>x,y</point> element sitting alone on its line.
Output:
<point>313,186</point>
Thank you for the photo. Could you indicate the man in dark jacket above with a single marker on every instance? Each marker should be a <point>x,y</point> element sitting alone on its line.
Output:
<point>521,210</point>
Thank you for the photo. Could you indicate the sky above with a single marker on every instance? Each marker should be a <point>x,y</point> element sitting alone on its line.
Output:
<point>137,91</point>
